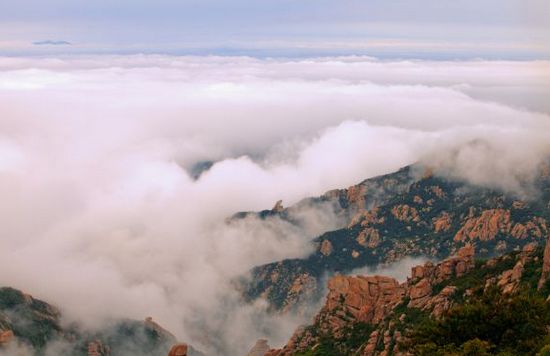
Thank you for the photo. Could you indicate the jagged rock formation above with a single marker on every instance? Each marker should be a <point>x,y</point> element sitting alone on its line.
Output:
<point>34,324</point>
<point>260,348</point>
<point>345,204</point>
<point>398,215</point>
<point>376,315</point>
<point>370,299</point>
<point>178,350</point>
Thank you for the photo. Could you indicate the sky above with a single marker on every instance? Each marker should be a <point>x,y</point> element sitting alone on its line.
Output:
<point>509,29</point>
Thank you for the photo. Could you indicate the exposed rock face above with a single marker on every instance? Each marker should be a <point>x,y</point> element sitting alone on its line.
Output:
<point>402,214</point>
<point>442,223</point>
<point>301,286</point>
<point>486,226</point>
<point>96,348</point>
<point>356,196</point>
<point>377,316</point>
<point>6,337</point>
<point>178,350</point>
<point>441,302</point>
<point>371,299</point>
<point>509,279</point>
<point>491,222</point>
<point>326,248</point>
<point>365,298</point>
<point>260,349</point>
<point>369,237</point>
<point>278,207</point>
<point>425,277</point>
<point>405,213</point>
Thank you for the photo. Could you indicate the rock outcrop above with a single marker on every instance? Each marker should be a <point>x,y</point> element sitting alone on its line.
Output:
<point>260,348</point>
<point>378,316</point>
<point>494,221</point>
<point>178,350</point>
<point>403,214</point>
<point>364,298</point>
<point>6,336</point>
<point>371,299</point>
<point>326,248</point>
<point>442,223</point>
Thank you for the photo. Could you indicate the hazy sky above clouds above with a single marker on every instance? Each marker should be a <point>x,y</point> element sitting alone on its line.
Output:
<point>394,28</point>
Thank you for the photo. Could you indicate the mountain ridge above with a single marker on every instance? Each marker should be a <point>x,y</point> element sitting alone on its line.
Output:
<point>420,214</point>
<point>460,306</point>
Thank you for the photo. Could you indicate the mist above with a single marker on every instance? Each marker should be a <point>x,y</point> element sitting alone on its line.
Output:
<point>101,216</point>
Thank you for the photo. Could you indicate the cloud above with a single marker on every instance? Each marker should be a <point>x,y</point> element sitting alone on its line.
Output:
<point>400,270</point>
<point>98,204</point>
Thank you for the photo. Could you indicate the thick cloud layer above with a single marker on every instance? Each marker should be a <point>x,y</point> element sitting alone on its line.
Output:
<point>100,216</point>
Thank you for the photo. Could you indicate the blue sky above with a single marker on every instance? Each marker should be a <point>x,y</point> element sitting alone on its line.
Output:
<point>408,28</point>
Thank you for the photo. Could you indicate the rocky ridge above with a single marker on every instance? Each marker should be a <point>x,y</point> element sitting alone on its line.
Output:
<point>415,215</point>
<point>377,315</point>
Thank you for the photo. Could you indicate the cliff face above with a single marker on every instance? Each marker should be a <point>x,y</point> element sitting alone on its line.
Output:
<point>369,300</point>
<point>32,324</point>
<point>413,215</point>
<point>376,315</point>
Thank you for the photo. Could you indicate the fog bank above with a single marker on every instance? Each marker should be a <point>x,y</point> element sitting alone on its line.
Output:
<point>100,215</point>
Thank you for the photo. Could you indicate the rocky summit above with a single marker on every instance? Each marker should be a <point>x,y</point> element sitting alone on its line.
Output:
<point>460,306</point>
<point>415,211</point>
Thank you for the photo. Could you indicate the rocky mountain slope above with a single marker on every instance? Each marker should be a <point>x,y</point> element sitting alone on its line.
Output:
<point>412,212</point>
<point>461,306</point>
<point>29,326</point>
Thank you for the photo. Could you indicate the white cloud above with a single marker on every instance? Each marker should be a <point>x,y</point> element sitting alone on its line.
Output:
<point>97,205</point>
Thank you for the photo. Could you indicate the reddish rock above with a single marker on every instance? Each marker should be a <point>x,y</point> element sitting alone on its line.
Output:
<point>6,337</point>
<point>326,248</point>
<point>420,289</point>
<point>368,237</point>
<point>260,348</point>
<point>97,348</point>
<point>437,191</point>
<point>405,213</point>
<point>467,251</point>
<point>486,226</point>
<point>418,272</point>
<point>371,299</point>
<point>441,302</point>
<point>442,222</point>
<point>509,280</point>
<point>178,350</point>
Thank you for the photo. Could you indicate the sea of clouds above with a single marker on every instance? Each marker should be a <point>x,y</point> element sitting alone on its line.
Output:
<point>99,212</point>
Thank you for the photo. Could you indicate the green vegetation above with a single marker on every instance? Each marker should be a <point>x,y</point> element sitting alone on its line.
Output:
<point>354,337</point>
<point>489,324</point>
<point>476,277</point>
